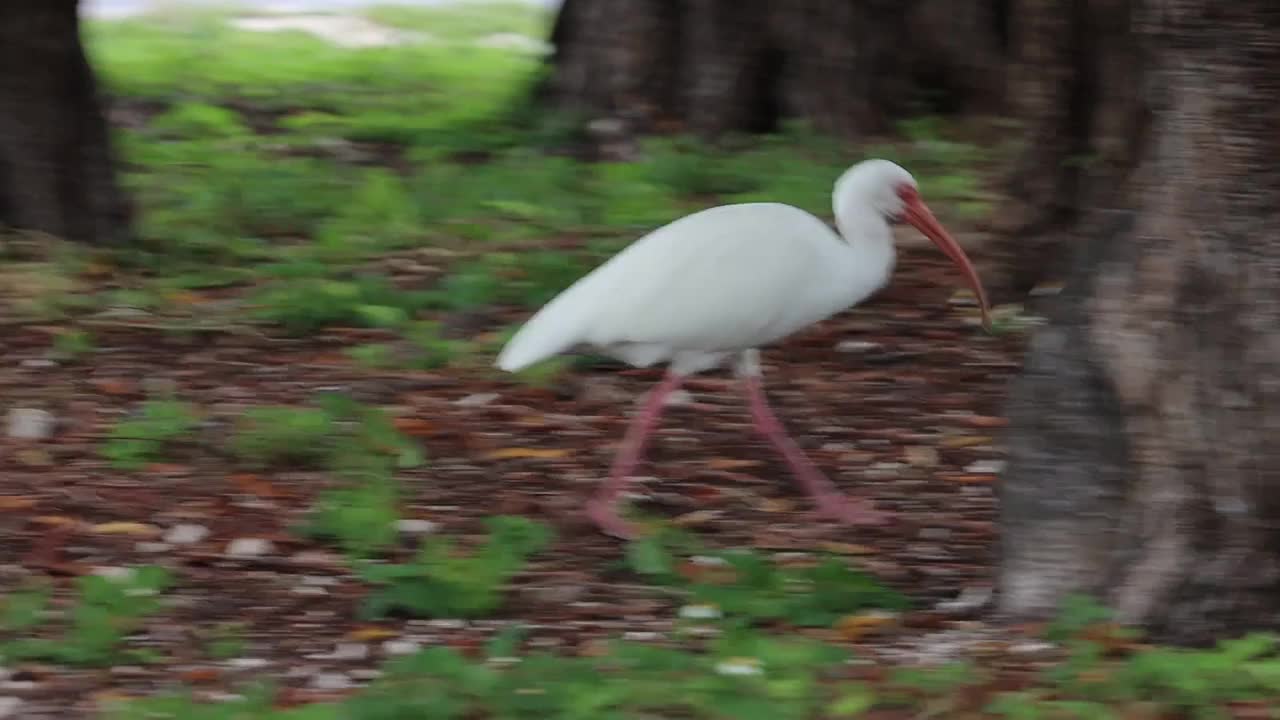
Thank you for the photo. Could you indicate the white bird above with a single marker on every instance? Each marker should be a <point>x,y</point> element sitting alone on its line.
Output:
<point>721,283</point>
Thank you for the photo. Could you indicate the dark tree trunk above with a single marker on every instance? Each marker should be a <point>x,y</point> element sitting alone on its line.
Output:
<point>1143,457</point>
<point>1076,83</point>
<point>56,169</point>
<point>714,66</point>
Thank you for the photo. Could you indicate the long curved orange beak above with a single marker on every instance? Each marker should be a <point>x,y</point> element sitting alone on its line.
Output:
<point>919,215</point>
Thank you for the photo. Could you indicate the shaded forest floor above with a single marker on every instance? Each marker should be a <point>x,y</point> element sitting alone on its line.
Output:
<point>262,460</point>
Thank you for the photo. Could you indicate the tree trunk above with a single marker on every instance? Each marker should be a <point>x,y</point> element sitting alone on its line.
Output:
<point>56,169</point>
<point>715,66</point>
<point>1143,456</point>
<point>1076,84</point>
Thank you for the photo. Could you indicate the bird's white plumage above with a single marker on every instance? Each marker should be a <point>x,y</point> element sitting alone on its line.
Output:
<point>722,281</point>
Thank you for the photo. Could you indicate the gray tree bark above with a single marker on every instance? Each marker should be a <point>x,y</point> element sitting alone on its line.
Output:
<point>56,165</point>
<point>714,66</point>
<point>1076,74</point>
<point>1143,457</point>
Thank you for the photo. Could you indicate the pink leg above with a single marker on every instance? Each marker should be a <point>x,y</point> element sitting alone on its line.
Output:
<point>831,502</point>
<point>602,509</point>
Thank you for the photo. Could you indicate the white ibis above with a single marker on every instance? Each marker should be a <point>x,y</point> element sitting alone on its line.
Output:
<point>719,284</point>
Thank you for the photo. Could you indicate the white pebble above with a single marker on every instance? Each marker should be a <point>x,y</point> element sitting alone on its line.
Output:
<point>350,651</point>
<point>852,346</point>
<point>248,663</point>
<point>249,547</point>
<point>415,526</point>
<point>400,647</point>
<point>186,534</point>
<point>9,706</point>
<point>739,666</point>
<point>699,612</point>
<point>986,467</point>
<point>319,580</point>
<point>476,400</point>
<point>119,574</point>
<point>30,424</point>
<point>331,681</point>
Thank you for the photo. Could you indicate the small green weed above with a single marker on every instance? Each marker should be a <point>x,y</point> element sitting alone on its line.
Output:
<point>105,612</point>
<point>275,435</point>
<point>308,304</point>
<point>360,513</point>
<point>424,348</point>
<point>70,345</point>
<point>142,439</point>
<point>440,582</point>
<point>748,586</point>
<point>226,641</point>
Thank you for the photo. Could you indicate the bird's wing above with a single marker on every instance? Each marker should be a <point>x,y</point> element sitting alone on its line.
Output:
<point>726,278</point>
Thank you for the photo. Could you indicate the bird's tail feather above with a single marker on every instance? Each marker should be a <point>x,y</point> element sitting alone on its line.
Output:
<point>544,335</point>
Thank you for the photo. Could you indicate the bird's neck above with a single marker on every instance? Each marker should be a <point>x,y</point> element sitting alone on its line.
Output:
<point>870,249</point>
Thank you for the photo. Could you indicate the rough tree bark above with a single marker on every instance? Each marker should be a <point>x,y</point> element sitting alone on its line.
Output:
<point>1143,461</point>
<point>1075,82</point>
<point>747,65</point>
<point>56,169</point>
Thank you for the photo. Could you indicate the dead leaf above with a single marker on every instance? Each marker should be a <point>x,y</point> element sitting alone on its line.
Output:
<point>970,478</point>
<point>415,427</point>
<point>252,484</point>
<point>55,521</point>
<point>126,528</point>
<point>114,386</point>
<point>920,456</point>
<point>532,453</point>
<point>200,675</point>
<point>17,502</point>
<point>847,548</point>
<point>987,421</point>
<point>33,457</point>
<point>168,469</point>
<point>855,627</point>
<point>731,464</point>
<point>964,441</point>
<point>367,634</point>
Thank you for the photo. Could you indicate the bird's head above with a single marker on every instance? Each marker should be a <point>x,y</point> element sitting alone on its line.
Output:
<point>886,188</point>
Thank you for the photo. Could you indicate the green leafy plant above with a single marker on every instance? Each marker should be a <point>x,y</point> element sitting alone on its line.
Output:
<point>71,345</point>
<point>139,440</point>
<point>304,305</point>
<point>361,511</point>
<point>441,582</point>
<point>275,435</point>
<point>749,586</point>
<point>106,611</point>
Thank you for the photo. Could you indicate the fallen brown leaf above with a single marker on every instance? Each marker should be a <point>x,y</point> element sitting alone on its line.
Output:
<point>17,502</point>
<point>513,453</point>
<point>731,464</point>
<point>252,484</point>
<point>366,634</point>
<point>856,627</point>
<point>126,528</point>
<point>848,548</point>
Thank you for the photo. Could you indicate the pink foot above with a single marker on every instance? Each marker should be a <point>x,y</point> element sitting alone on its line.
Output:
<point>605,516</point>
